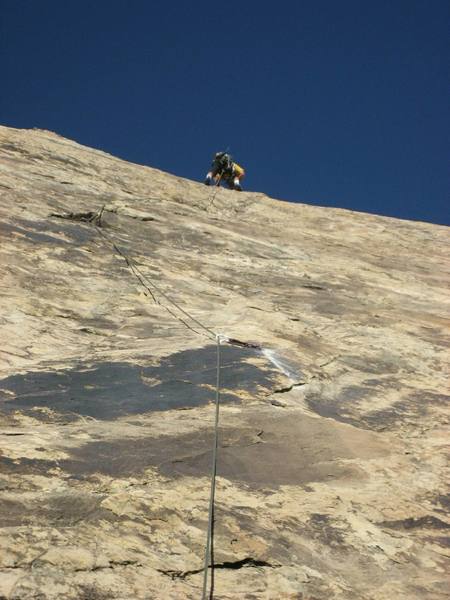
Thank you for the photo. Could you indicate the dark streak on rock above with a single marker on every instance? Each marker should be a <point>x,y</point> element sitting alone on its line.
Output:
<point>425,522</point>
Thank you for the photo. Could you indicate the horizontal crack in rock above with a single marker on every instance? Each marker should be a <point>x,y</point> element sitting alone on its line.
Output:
<point>84,217</point>
<point>288,388</point>
<point>312,286</point>
<point>144,218</point>
<point>328,362</point>
<point>235,342</point>
<point>245,562</point>
<point>114,563</point>
<point>234,565</point>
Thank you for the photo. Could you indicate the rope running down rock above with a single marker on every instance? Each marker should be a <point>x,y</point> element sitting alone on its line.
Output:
<point>146,282</point>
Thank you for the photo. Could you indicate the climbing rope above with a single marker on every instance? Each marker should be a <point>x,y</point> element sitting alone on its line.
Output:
<point>214,192</point>
<point>209,554</point>
<point>95,218</point>
<point>151,286</point>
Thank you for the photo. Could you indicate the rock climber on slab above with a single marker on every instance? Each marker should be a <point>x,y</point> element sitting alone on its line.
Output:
<point>224,169</point>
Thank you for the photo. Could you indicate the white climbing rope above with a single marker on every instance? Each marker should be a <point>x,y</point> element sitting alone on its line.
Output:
<point>151,287</point>
<point>145,281</point>
<point>209,554</point>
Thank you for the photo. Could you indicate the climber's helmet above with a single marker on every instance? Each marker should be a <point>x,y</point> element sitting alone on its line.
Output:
<point>223,159</point>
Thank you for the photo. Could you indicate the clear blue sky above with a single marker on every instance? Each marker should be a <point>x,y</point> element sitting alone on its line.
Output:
<point>337,103</point>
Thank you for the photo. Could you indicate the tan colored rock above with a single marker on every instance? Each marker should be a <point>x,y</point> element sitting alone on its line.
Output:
<point>332,469</point>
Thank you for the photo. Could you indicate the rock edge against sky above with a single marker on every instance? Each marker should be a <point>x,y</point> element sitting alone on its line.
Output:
<point>332,472</point>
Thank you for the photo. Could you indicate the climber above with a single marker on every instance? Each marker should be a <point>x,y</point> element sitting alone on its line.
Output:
<point>223,168</point>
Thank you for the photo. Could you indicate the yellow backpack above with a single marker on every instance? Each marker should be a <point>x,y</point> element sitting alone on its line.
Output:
<point>238,171</point>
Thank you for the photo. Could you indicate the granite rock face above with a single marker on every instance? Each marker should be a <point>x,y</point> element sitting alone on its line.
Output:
<point>332,473</point>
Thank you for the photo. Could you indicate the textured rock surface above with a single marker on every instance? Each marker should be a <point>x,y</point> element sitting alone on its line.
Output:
<point>332,464</point>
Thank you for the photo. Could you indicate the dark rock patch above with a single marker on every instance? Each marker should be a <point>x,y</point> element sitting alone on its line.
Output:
<point>41,231</point>
<point>29,235</point>
<point>444,500</point>
<point>63,509</point>
<point>425,522</point>
<point>443,541</point>
<point>333,408</point>
<point>367,365</point>
<point>111,390</point>
<point>346,407</point>
<point>25,466</point>
<point>412,407</point>
<point>323,528</point>
<point>263,452</point>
